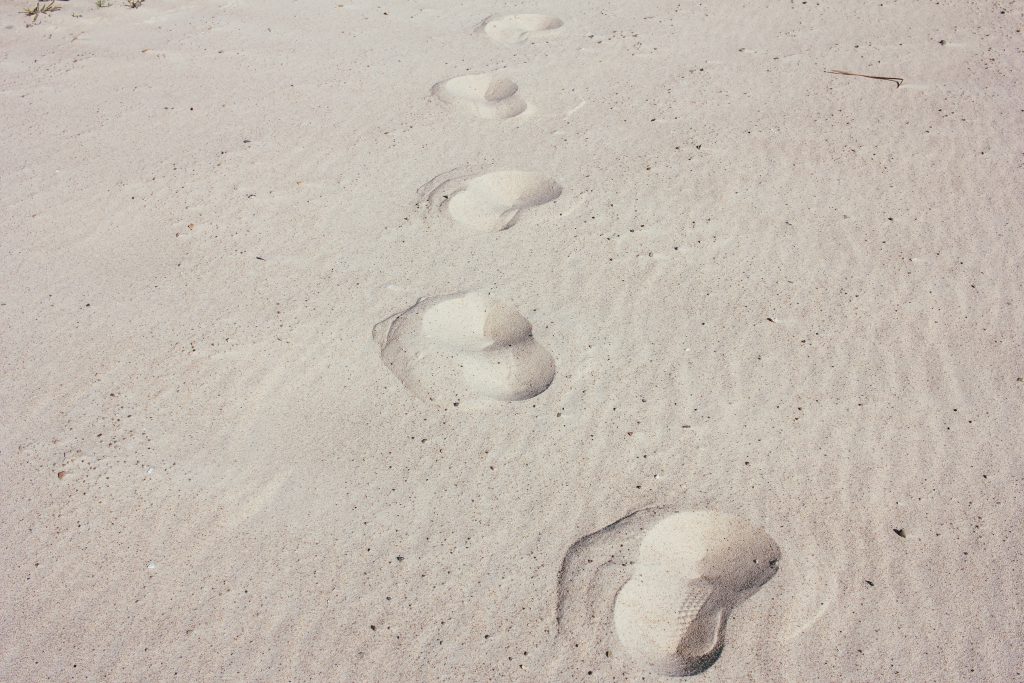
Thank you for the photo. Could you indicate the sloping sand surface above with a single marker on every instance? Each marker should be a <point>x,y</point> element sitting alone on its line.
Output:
<point>763,290</point>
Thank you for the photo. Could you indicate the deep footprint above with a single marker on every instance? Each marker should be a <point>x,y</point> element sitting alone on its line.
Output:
<point>489,202</point>
<point>693,568</point>
<point>517,28</point>
<point>465,350</point>
<point>484,95</point>
<point>669,608</point>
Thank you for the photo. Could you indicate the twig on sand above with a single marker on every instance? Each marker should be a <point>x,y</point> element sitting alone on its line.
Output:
<point>41,8</point>
<point>898,81</point>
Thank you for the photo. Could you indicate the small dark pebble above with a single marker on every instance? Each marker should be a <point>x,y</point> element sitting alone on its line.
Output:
<point>900,533</point>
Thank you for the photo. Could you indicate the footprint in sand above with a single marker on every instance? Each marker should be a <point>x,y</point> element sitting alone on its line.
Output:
<point>486,96</point>
<point>466,350</point>
<point>489,202</point>
<point>690,571</point>
<point>517,28</point>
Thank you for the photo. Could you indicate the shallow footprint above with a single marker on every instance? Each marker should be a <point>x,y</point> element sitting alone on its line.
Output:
<point>484,95</point>
<point>692,569</point>
<point>489,202</point>
<point>517,28</point>
<point>466,349</point>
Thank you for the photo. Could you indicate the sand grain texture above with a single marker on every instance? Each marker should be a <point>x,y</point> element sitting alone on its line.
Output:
<point>781,294</point>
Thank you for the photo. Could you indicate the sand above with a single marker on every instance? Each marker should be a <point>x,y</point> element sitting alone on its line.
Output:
<point>729,285</point>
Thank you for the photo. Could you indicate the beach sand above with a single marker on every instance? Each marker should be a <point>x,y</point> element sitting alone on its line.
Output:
<point>429,341</point>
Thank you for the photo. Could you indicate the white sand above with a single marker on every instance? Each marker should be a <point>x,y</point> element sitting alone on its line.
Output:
<point>768,291</point>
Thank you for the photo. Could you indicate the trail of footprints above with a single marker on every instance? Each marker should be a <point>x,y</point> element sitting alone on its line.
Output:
<point>661,582</point>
